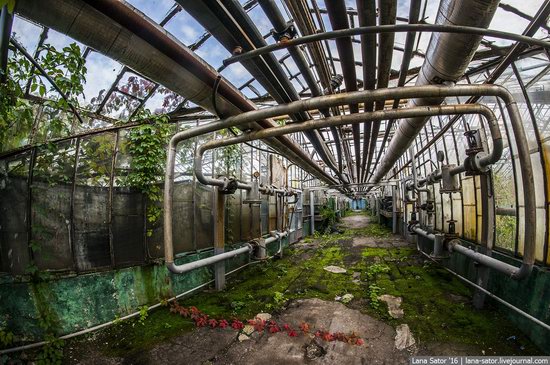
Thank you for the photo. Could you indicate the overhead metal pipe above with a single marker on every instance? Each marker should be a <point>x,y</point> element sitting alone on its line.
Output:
<point>414,13</point>
<point>397,28</point>
<point>447,58</point>
<point>366,12</point>
<point>354,119</point>
<point>339,20</point>
<point>388,11</point>
<point>280,27</point>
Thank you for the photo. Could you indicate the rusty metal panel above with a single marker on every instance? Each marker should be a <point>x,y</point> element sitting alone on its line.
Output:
<point>204,219</point>
<point>91,205</point>
<point>277,172</point>
<point>183,217</point>
<point>457,212</point>
<point>128,227</point>
<point>51,191</point>
<point>272,213</point>
<point>14,249</point>
<point>232,217</point>
<point>438,208</point>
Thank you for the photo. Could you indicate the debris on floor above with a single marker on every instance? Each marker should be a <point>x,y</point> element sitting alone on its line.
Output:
<point>335,269</point>
<point>346,298</point>
<point>394,305</point>
<point>403,338</point>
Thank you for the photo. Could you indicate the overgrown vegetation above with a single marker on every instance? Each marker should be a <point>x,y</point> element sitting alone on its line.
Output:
<point>66,67</point>
<point>503,185</point>
<point>147,146</point>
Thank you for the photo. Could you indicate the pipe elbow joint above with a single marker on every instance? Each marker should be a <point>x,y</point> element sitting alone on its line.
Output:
<point>523,272</point>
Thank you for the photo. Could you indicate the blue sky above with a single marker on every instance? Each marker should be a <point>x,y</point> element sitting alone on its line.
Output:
<point>102,70</point>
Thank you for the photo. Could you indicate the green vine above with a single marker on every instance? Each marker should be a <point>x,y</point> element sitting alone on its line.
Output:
<point>147,148</point>
<point>66,67</point>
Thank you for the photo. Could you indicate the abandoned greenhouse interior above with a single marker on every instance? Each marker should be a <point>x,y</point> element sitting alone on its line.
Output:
<point>274,181</point>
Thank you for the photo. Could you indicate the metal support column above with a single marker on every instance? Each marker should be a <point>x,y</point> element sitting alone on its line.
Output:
<point>312,211</point>
<point>219,239</point>
<point>377,209</point>
<point>394,209</point>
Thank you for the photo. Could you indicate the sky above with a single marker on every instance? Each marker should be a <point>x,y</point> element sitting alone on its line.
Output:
<point>102,70</point>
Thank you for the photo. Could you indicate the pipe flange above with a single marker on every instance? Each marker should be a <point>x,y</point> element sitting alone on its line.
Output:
<point>431,178</point>
<point>286,34</point>
<point>473,164</point>
<point>230,186</point>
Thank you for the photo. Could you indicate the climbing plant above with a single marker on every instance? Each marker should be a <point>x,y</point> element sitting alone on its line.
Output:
<point>147,146</point>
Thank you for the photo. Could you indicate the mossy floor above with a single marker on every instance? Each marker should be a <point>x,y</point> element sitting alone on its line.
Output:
<point>436,305</point>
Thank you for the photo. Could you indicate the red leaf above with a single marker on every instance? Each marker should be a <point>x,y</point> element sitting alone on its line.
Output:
<point>238,325</point>
<point>213,323</point>
<point>304,327</point>
<point>223,323</point>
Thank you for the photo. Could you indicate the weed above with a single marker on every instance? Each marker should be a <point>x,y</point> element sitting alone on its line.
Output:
<point>376,269</point>
<point>374,293</point>
<point>143,314</point>
<point>279,298</point>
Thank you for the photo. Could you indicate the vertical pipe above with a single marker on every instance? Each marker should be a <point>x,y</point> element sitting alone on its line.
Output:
<point>394,208</point>
<point>312,210</point>
<point>219,238</point>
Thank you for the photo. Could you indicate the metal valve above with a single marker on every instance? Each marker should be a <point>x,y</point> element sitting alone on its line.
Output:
<point>230,186</point>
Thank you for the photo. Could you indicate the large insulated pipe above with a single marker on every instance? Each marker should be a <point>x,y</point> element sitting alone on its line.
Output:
<point>339,20</point>
<point>231,26</point>
<point>280,27</point>
<point>447,58</point>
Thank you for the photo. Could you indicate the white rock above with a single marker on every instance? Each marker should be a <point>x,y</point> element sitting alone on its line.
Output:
<point>263,316</point>
<point>248,330</point>
<point>242,337</point>
<point>335,269</point>
<point>404,338</point>
<point>394,305</point>
<point>347,298</point>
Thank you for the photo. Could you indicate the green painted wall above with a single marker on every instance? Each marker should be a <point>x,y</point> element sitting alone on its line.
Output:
<point>81,301</point>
